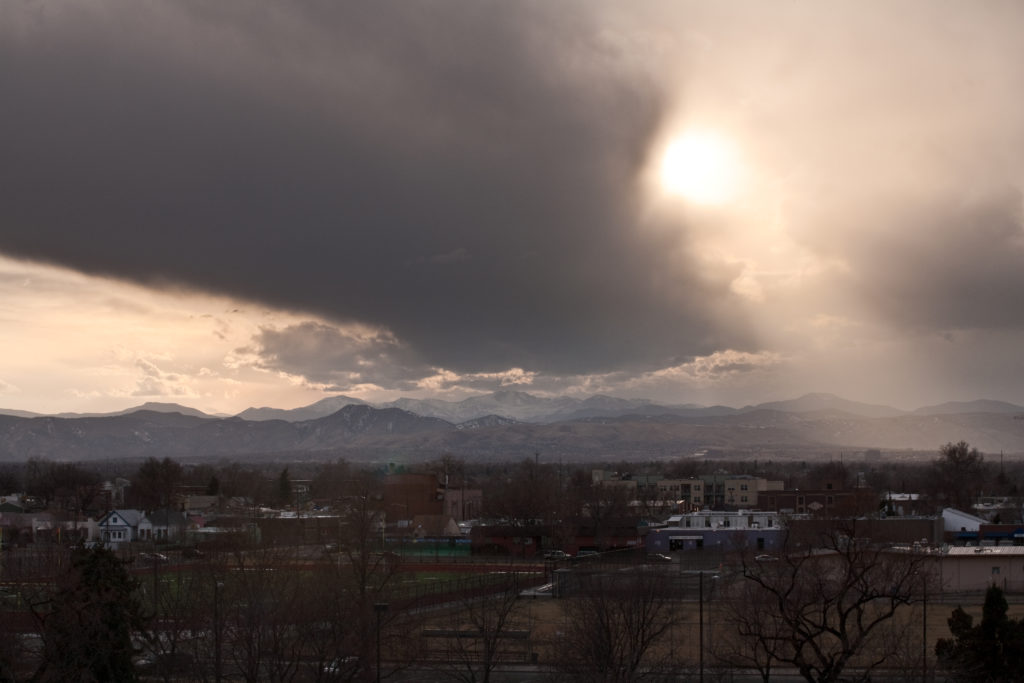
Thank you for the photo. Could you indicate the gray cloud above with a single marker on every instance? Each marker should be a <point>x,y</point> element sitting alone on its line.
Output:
<point>465,177</point>
<point>325,157</point>
<point>327,356</point>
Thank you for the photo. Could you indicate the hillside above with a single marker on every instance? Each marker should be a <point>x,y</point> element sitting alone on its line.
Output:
<point>361,432</point>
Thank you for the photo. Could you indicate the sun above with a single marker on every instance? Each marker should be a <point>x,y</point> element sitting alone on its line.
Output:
<point>701,167</point>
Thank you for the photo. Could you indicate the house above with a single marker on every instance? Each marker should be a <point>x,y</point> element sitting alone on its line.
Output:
<point>119,526</point>
<point>163,526</point>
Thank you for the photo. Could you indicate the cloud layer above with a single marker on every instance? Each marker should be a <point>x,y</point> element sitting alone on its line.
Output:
<point>460,196</point>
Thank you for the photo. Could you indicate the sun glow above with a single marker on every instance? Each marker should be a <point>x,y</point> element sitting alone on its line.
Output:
<point>702,168</point>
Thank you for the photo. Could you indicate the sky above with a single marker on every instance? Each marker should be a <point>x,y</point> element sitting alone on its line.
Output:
<point>232,204</point>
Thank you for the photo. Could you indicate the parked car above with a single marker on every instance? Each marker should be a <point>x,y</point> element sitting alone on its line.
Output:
<point>164,663</point>
<point>556,555</point>
<point>586,555</point>
<point>342,666</point>
<point>658,557</point>
<point>153,557</point>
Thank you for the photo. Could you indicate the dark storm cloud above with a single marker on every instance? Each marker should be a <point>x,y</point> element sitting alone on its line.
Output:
<point>326,356</point>
<point>461,174</point>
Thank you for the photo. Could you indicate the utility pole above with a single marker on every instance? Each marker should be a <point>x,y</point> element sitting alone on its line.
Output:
<point>700,627</point>
<point>379,608</point>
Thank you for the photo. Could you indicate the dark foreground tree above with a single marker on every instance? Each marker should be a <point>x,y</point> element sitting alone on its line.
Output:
<point>992,651</point>
<point>825,610</point>
<point>618,624</point>
<point>88,623</point>
<point>487,624</point>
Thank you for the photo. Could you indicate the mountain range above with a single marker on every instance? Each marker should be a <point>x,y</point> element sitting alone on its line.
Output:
<point>511,425</point>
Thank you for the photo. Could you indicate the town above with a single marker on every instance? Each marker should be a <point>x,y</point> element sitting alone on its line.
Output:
<point>456,570</point>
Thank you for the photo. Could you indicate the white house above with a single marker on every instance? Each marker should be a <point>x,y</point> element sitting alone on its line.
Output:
<point>119,526</point>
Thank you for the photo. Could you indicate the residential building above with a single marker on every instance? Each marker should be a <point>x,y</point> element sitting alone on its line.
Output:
<point>163,526</point>
<point>119,526</point>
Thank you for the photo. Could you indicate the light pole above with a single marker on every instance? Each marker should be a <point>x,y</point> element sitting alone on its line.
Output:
<point>217,585</point>
<point>700,628</point>
<point>379,608</point>
<point>924,629</point>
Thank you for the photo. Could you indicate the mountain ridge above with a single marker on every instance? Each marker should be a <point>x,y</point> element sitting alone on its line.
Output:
<point>366,433</point>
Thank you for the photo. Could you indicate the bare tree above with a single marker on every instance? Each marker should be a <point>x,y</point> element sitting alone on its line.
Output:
<point>474,634</point>
<point>758,640</point>
<point>617,625</point>
<point>958,474</point>
<point>824,609</point>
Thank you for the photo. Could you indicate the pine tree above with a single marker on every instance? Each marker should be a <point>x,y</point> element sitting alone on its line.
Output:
<point>992,651</point>
<point>88,623</point>
<point>284,488</point>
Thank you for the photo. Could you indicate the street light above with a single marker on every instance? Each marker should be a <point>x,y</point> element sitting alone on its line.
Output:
<point>380,608</point>
<point>217,662</point>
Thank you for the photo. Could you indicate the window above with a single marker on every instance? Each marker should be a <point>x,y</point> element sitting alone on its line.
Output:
<point>828,499</point>
<point>995,571</point>
<point>743,487</point>
<point>743,499</point>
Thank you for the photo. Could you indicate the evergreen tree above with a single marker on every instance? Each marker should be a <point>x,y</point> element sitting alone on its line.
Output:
<point>88,623</point>
<point>992,651</point>
<point>284,488</point>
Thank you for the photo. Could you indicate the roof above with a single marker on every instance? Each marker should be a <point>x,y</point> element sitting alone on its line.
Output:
<point>125,517</point>
<point>957,520</point>
<point>985,550</point>
<point>166,517</point>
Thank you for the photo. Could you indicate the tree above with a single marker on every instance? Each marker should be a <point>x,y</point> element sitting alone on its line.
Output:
<point>958,474</point>
<point>284,487</point>
<point>819,608</point>
<point>481,621</point>
<point>524,495</point>
<point>992,651</point>
<point>617,625</point>
<point>88,623</point>
<point>154,483</point>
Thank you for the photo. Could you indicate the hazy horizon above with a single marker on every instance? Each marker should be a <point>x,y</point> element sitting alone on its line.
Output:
<point>231,206</point>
